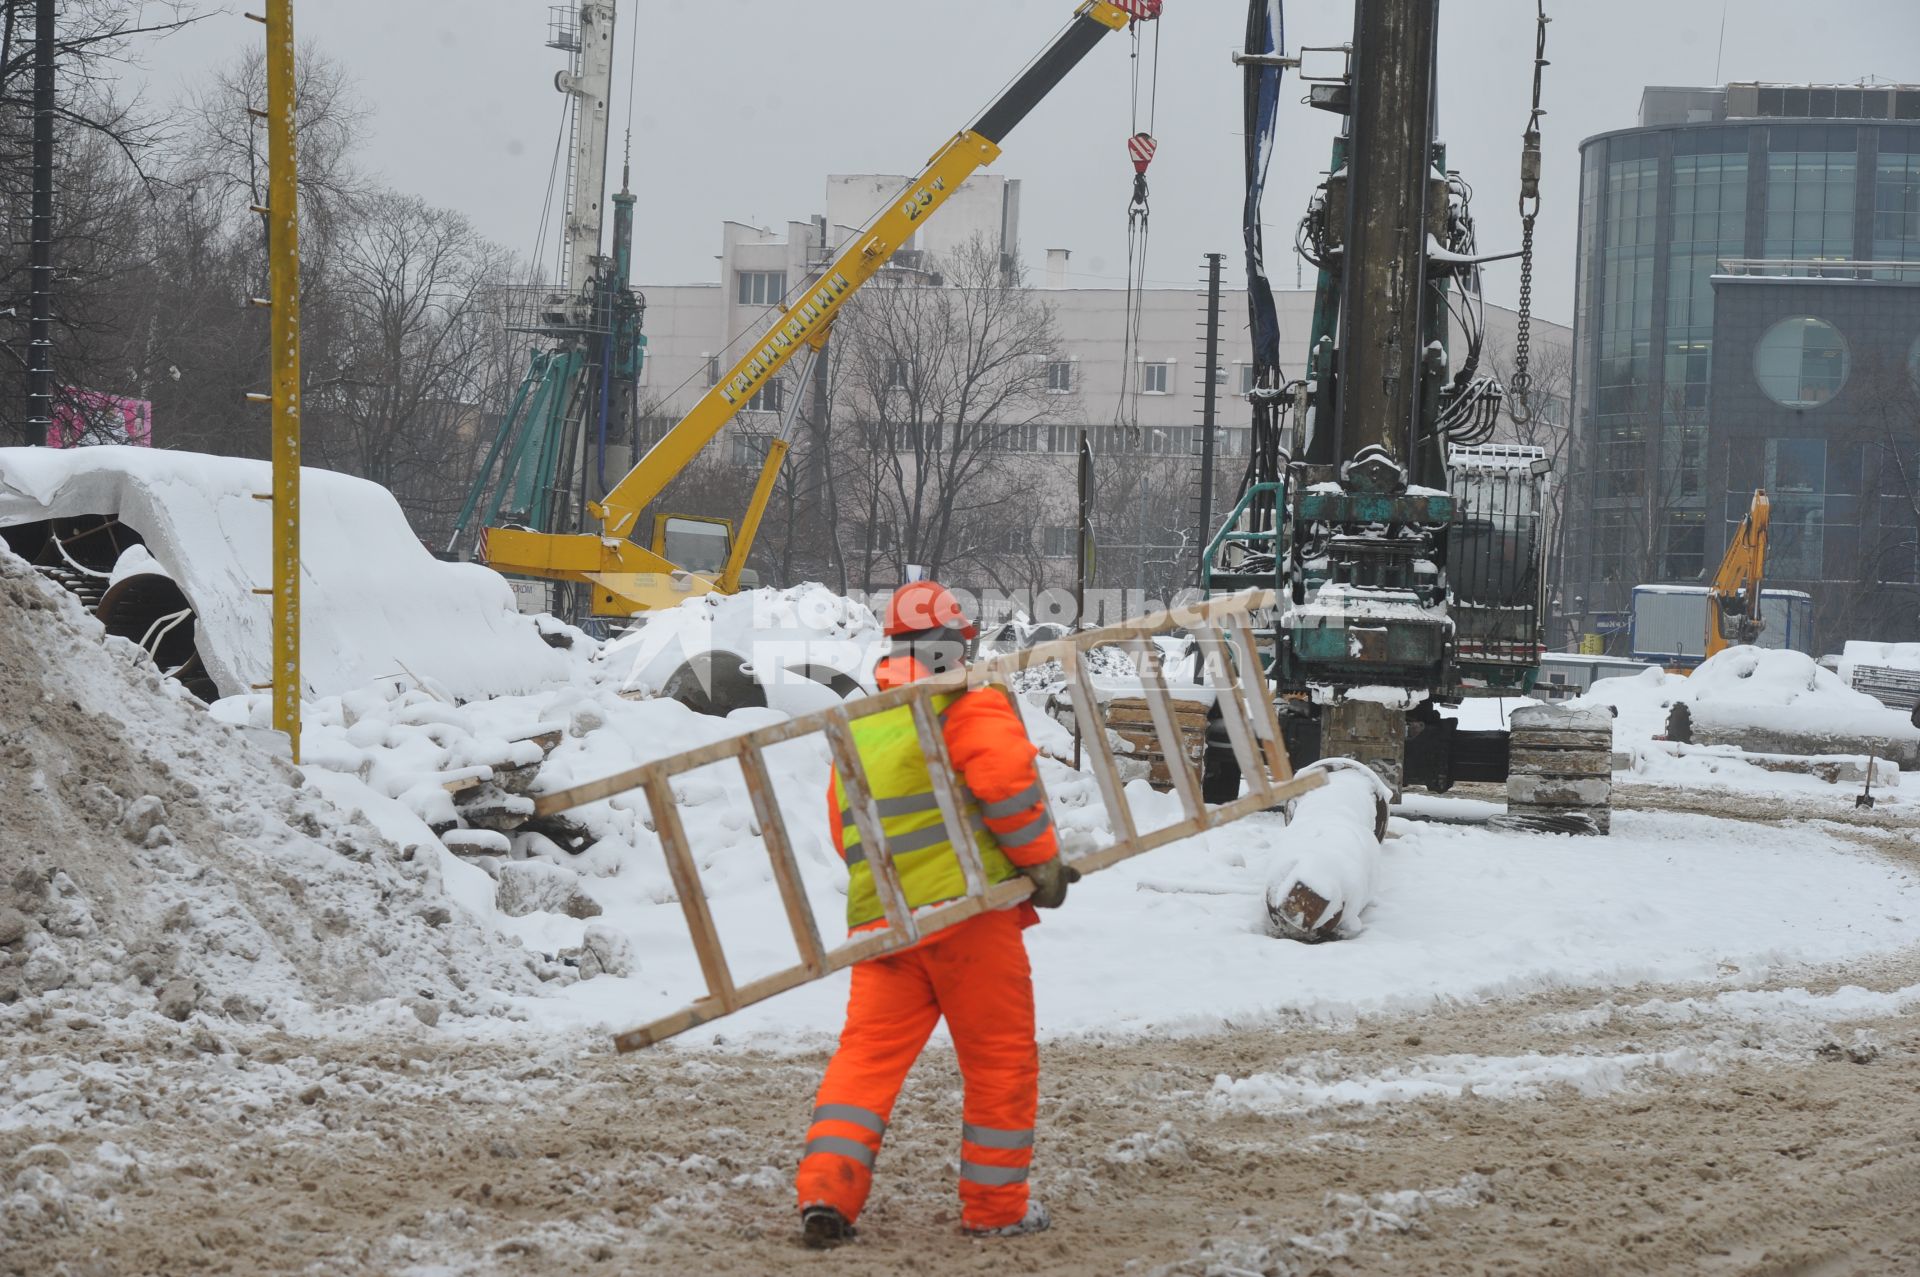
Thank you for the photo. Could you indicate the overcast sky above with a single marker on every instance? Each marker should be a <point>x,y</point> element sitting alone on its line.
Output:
<point>741,108</point>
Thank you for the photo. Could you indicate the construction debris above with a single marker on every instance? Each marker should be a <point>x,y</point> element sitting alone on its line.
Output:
<point>158,862</point>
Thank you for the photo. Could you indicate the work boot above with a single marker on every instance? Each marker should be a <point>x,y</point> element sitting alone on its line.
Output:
<point>1036,1220</point>
<point>823,1227</point>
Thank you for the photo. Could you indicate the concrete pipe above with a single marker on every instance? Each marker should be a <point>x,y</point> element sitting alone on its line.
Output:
<point>149,610</point>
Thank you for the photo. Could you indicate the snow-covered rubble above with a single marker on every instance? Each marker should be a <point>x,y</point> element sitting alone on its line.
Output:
<point>1763,701</point>
<point>157,863</point>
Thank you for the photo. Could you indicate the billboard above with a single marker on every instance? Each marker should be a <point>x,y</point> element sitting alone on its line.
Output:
<point>91,416</point>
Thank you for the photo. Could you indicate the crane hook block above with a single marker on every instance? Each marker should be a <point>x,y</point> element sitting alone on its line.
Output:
<point>1141,147</point>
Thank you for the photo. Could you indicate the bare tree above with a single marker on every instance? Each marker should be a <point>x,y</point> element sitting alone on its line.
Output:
<point>102,143</point>
<point>943,387</point>
<point>399,397</point>
<point>223,155</point>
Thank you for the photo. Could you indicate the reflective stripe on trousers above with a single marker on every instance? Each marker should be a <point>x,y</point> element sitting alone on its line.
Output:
<point>1010,1151</point>
<point>827,1134</point>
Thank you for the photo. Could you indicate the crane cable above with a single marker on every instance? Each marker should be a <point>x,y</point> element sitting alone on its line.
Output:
<point>1519,405</point>
<point>1140,148</point>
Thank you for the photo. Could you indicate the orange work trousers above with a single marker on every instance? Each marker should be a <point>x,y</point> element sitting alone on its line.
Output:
<point>976,975</point>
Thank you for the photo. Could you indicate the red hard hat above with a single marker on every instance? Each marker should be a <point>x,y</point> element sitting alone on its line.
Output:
<point>926,605</point>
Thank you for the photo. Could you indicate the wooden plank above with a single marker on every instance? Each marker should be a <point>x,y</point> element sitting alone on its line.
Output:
<point>866,817</point>
<point>1172,743</point>
<point>1185,712</point>
<point>786,872</point>
<point>1233,710</point>
<point>686,884</point>
<point>1093,736</point>
<point>1253,682</point>
<point>954,811</point>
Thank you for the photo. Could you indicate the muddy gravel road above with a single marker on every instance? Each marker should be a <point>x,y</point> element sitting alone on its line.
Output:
<point>1768,1128</point>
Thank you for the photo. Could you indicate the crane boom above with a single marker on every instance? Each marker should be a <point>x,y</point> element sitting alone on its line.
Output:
<point>627,577</point>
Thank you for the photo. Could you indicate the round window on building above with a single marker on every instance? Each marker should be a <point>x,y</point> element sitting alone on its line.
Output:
<point>1801,362</point>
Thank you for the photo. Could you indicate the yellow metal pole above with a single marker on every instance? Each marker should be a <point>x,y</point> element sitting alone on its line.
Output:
<point>283,263</point>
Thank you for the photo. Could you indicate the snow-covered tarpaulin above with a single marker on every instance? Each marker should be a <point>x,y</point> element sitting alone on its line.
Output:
<point>374,602</point>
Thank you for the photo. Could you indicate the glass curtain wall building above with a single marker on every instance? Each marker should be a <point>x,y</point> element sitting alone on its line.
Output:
<point>1712,181</point>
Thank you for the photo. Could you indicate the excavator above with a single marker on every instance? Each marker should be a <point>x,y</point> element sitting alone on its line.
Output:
<point>626,577</point>
<point>1733,600</point>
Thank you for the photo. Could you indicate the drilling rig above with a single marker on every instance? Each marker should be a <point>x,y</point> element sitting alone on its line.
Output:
<point>568,433</point>
<point>1404,542</point>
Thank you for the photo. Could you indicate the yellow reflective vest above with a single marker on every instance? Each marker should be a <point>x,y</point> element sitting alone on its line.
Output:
<point>923,855</point>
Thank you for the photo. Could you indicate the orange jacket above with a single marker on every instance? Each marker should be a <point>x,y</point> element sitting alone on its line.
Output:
<point>989,747</point>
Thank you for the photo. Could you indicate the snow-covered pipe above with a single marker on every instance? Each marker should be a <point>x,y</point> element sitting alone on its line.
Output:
<point>1330,858</point>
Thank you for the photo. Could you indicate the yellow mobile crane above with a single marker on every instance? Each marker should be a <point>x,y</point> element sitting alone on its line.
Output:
<point>626,577</point>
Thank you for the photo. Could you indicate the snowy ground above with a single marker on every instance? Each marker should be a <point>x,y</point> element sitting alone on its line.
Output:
<point>291,1031</point>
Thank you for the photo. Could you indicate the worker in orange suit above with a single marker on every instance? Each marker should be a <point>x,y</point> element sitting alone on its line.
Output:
<point>974,973</point>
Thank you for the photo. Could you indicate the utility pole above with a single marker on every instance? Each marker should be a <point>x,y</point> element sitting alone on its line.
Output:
<point>1209,411</point>
<point>40,232</point>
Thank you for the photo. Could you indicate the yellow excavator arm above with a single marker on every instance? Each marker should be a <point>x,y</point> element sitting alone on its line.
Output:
<point>1733,610</point>
<point>627,577</point>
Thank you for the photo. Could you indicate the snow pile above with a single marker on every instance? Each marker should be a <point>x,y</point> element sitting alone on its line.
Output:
<point>794,642</point>
<point>1332,854</point>
<point>1781,689</point>
<point>1787,691</point>
<point>1766,702</point>
<point>157,862</point>
<point>374,602</point>
<point>1893,656</point>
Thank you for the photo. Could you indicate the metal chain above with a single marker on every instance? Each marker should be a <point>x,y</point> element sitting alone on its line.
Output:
<point>1518,405</point>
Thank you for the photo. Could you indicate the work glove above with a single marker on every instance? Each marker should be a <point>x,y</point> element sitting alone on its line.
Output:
<point>1050,879</point>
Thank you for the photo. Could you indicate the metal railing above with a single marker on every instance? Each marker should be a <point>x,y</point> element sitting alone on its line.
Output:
<point>1816,268</point>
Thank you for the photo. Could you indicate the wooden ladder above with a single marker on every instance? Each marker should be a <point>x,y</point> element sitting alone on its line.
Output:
<point>1224,632</point>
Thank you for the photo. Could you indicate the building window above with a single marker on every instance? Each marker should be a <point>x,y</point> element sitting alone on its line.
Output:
<point>1156,378</point>
<point>749,449</point>
<point>1620,462</point>
<point>1896,199</point>
<point>1801,362</point>
<point>1060,376</point>
<point>1797,487</point>
<point>1057,542</point>
<point>713,371</point>
<point>769,398</point>
<point>899,374</point>
<point>1685,556</point>
<point>1246,380</point>
<point>1810,193</point>
<point>762,287</point>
